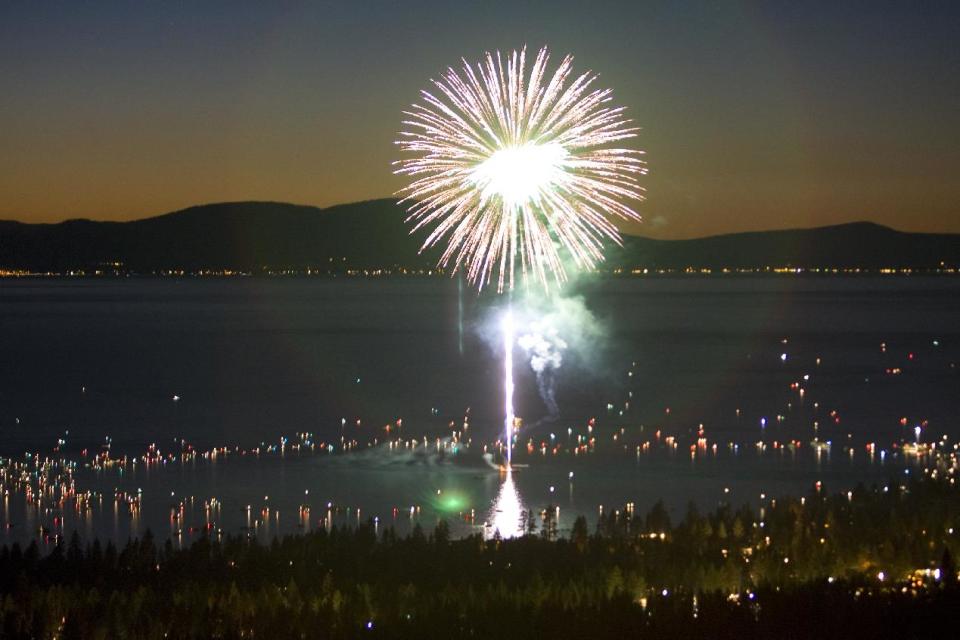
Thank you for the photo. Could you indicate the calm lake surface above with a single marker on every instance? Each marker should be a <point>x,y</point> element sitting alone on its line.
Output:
<point>241,363</point>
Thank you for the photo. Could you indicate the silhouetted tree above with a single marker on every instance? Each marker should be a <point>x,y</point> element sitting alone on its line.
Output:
<point>948,570</point>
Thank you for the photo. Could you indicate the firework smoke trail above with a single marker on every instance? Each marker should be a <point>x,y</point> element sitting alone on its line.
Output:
<point>544,347</point>
<point>511,166</point>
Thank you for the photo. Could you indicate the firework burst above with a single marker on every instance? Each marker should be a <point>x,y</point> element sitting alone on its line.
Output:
<point>512,169</point>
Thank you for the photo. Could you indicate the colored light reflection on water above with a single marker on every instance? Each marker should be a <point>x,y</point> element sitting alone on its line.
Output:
<point>451,502</point>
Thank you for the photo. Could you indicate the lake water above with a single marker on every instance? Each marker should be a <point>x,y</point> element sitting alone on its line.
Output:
<point>240,363</point>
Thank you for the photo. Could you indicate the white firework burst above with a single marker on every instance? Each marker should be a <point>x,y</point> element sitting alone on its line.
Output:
<point>511,167</point>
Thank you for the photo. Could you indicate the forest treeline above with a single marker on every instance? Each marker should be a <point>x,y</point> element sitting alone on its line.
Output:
<point>872,563</point>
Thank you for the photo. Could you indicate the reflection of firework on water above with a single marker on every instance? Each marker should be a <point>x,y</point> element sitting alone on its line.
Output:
<point>511,164</point>
<point>506,515</point>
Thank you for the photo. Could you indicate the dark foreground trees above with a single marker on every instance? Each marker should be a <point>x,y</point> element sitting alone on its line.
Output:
<point>873,564</point>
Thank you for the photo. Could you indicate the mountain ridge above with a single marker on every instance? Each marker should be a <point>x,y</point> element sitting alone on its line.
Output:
<point>253,236</point>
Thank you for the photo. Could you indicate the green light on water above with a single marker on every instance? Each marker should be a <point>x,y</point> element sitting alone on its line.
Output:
<point>452,502</point>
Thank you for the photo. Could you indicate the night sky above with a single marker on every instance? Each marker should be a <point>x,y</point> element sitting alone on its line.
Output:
<point>755,115</point>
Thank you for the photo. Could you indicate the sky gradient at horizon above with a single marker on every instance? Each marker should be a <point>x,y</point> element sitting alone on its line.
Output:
<point>755,115</point>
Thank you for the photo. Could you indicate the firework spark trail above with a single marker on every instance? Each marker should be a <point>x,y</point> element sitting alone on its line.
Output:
<point>508,382</point>
<point>460,315</point>
<point>512,167</point>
